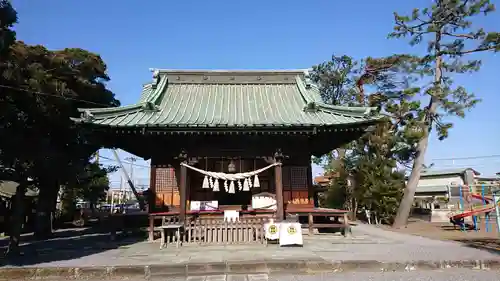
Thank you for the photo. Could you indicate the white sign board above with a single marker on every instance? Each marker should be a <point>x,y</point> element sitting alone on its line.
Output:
<point>290,234</point>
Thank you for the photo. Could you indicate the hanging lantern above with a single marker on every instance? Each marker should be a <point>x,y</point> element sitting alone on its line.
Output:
<point>231,167</point>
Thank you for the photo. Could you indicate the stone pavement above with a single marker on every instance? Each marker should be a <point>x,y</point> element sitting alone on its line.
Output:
<point>436,275</point>
<point>369,249</point>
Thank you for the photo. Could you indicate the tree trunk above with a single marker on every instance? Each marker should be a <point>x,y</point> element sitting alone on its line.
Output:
<point>409,193</point>
<point>353,199</point>
<point>16,221</point>
<point>411,186</point>
<point>354,209</point>
<point>341,155</point>
<point>47,200</point>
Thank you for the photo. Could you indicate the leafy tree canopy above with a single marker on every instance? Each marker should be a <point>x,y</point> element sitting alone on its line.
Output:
<point>42,90</point>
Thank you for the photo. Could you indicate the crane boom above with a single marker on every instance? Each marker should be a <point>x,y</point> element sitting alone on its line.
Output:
<point>142,205</point>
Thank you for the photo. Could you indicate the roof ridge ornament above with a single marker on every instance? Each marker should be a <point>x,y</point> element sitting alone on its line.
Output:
<point>87,115</point>
<point>307,79</point>
<point>311,107</point>
<point>150,106</point>
<point>156,77</point>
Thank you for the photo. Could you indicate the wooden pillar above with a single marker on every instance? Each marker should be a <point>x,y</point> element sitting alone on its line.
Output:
<point>347,228</point>
<point>311,194</point>
<point>310,223</point>
<point>278,177</point>
<point>183,186</point>
<point>151,201</point>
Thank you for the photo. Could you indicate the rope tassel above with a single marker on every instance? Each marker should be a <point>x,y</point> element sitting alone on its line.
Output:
<point>211,179</point>
<point>256,182</point>
<point>205,183</point>
<point>231,187</point>
<point>246,186</point>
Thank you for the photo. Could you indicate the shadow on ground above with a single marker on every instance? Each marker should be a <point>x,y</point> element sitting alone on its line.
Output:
<point>66,244</point>
<point>491,245</point>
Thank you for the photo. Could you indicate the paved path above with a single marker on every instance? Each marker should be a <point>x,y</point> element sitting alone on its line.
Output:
<point>445,275</point>
<point>367,244</point>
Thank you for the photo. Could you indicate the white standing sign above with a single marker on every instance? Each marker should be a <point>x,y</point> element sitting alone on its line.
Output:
<point>272,230</point>
<point>290,234</point>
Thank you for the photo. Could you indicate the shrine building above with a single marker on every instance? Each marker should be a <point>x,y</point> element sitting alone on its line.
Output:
<point>223,136</point>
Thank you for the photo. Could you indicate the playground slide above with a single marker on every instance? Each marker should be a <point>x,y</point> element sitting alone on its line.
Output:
<point>483,209</point>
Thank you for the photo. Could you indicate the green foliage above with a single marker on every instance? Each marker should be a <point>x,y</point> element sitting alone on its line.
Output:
<point>338,195</point>
<point>397,98</point>
<point>365,169</point>
<point>335,79</point>
<point>8,17</point>
<point>447,29</point>
<point>380,186</point>
<point>93,182</point>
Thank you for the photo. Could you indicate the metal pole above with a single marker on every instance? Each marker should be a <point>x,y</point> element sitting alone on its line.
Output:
<point>132,160</point>
<point>461,204</point>
<point>486,215</point>
<point>495,200</point>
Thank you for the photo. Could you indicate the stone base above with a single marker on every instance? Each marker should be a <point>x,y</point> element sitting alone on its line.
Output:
<point>298,267</point>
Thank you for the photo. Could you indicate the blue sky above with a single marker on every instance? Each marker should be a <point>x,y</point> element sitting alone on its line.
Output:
<point>133,36</point>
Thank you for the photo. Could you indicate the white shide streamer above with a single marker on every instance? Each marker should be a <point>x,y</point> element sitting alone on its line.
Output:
<point>211,179</point>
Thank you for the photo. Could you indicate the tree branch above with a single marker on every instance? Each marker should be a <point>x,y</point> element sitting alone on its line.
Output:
<point>468,36</point>
<point>460,53</point>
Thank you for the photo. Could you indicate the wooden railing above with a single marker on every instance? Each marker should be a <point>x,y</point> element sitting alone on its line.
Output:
<point>217,231</point>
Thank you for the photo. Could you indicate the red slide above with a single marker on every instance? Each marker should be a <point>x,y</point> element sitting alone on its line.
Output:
<point>485,209</point>
<point>480,197</point>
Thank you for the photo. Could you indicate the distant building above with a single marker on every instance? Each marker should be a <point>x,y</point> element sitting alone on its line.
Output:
<point>444,182</point>
<point>487,180</point>
<point>117,195</point>
<point>322,182</point>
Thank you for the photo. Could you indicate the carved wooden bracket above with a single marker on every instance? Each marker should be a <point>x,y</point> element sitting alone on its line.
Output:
<point>279,156</point>
<point>182,156</point>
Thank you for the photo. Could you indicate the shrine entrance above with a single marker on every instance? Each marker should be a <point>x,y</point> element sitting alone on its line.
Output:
<point>238,199</point>
<point>234,197</point>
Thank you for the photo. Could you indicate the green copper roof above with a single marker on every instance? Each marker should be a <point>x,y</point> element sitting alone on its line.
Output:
<point>184,98</point>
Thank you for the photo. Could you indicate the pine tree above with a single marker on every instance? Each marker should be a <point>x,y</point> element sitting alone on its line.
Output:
<point>447,29</point>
